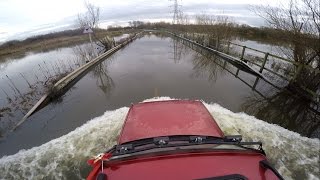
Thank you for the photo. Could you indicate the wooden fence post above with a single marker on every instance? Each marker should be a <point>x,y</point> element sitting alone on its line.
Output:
<point>300,67</point>
<point>228,47</point>
<point>242,54</point>
<point>224,64</point>
<point>264,62</point>
<point>237,73</point>
<point>217,43</point>
<point>203,39</point>
<point>255,83</point>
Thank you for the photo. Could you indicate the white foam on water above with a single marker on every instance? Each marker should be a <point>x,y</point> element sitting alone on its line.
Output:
<point>294,156</point>
<point>66,156</point>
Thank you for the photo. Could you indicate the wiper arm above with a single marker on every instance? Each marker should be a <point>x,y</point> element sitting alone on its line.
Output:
<point>176,141</point>
<point>163,140</point>
<point>265,164</point>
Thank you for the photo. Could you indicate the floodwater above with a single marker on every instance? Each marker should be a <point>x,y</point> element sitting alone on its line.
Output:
<point>284,68</point>
<point>23,81</point>
<point>155,66</point>
<point>65,157</point>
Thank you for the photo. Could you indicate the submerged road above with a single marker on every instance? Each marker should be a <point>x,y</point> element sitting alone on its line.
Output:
<point>66,82</point>
<point>154,65</point>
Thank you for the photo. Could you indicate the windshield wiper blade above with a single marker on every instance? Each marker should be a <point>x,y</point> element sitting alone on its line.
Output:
<point>179,141</point>
<point>166,139</point>
<point>265,164</point>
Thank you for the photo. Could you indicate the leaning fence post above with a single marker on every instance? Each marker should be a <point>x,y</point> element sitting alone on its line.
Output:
<point>264,62</point>
<point>237,73</point>
<point>242,54</point>
<point>255,83</point>
<point>300,66</point>
<point>202,40</point>
<point>217,44</point>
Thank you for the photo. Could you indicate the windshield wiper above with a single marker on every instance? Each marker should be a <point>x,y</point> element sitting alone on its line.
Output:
<point>265,164</point>
<point>180,141</point>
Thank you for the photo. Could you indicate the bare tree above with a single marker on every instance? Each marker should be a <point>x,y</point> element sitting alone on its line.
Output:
<point>91,19</point>
<point>136,24</point>
<point>299,23</point>
<point>183,18</point>
<point>217,27</point>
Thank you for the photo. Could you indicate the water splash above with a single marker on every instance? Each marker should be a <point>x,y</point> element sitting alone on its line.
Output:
<point>66,156</point>
<point>294,156</point>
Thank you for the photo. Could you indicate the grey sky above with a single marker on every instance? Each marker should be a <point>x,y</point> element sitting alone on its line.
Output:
<point>22,18</point>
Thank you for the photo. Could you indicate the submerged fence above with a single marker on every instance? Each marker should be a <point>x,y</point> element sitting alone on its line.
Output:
<point>266,63</point>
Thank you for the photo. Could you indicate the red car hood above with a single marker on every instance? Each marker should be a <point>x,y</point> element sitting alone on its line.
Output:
<point>166,118</point>
<point>202,166</point>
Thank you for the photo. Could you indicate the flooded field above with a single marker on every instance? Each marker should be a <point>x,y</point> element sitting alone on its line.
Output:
<point>25,80</point>
<point>152,66</point>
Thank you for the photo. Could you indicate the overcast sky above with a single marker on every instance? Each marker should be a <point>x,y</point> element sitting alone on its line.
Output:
<point>22,18</point>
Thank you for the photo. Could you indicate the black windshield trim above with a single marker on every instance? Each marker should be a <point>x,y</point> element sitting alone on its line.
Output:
<point>180,141</point>
<point>171,138</point>
<point>125,157</point>
<point>227,177</point>
<point>241,144</point>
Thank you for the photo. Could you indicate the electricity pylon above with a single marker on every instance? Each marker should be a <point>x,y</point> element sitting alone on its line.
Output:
<point>176,12</point>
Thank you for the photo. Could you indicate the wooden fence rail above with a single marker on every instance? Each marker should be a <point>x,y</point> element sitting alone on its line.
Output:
<point>197,37</point>
<point>266,56</point>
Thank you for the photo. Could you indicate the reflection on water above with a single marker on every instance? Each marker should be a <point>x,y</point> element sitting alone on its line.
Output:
<point>303,80</point>
<point>293,106</point>
<point>103,80</point>
<point>151,66</point>
<point>205,66</point>
<point>177,50</point>
<point>24,81</point>
<point>287,110</point>
<point>277,106</point>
